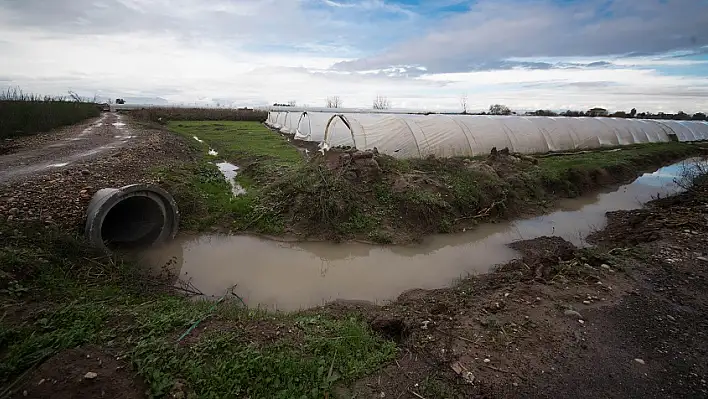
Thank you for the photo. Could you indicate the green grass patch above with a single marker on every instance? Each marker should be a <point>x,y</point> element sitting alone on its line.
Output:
<point>241,142</point>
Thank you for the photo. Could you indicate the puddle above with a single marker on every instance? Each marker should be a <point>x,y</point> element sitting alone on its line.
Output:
<point>213,152</point>
<point>292,276</point>
<point>230,171</point>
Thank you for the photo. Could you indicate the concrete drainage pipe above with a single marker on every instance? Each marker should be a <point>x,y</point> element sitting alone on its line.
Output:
<point>131,217</point>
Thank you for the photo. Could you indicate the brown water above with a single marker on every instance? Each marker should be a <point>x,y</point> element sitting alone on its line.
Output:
<point>291,276</point>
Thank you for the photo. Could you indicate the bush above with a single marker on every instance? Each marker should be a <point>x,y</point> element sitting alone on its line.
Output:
<point>26,114</point>
<point>162,115</point>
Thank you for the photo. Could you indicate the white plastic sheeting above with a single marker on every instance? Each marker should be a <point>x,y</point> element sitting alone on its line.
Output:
<point>411,136</point>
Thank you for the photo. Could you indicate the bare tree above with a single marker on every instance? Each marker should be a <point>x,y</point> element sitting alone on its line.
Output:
<point>499,109</point>
<point>463,103</point>
<point>75,96</point>
<point>333,102</point>
<point>381,102</point>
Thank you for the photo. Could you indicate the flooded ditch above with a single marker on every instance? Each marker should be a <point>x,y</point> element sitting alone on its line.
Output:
<point>290,276</point>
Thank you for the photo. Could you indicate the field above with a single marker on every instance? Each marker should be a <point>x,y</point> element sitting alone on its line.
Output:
<point>560,322</point>
<point>25,114</point>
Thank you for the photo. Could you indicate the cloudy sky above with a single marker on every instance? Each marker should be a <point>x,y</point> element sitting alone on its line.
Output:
<point>422,54</point>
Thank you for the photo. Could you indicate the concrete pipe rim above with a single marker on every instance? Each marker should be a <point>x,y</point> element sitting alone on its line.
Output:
<point>136,216</point>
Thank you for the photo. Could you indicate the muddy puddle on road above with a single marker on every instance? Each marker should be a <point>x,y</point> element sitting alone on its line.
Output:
<point>292,276</point>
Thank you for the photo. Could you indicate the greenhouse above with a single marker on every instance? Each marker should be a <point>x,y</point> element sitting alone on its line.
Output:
<point>411,136</point>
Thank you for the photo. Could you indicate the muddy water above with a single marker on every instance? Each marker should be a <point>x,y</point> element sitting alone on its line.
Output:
<point>291,276</point>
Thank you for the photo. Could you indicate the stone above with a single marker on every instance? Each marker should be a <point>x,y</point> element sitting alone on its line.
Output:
<point>487,360</point>
<point>90,375</point>
<point>572,313</point>
<point>703,258</point>
<point>605,266</point>
<point>640,361</point>
<point>13,211</point>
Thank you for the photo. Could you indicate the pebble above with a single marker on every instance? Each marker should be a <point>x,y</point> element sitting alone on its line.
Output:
<point>640,361</point>
<point>90,375</point>
<point>605,266</point>
<point>581,321</point>
<point>587,302</point>
<point>487,360</point>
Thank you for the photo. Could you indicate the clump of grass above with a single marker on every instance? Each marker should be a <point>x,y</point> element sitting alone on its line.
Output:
<point>163,115</point>
<point>23,114</point>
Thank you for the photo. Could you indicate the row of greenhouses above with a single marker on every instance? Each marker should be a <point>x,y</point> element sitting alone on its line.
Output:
<point>411,136</point>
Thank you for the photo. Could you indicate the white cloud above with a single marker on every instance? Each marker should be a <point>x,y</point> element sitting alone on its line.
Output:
<point>255,52</point>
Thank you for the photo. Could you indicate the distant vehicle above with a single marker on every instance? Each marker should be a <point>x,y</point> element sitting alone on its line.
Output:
<point>120,101</point>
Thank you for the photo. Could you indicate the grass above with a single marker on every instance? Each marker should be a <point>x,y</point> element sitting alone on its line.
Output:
<point>24,114</point>
<point>74,298</point>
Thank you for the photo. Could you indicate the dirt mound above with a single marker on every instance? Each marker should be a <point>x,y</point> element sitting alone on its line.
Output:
<point>83,373</point>
<point>354,164</point>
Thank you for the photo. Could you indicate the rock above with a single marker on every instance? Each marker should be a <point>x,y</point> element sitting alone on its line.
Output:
<point>605,266</point>
<point>487,360</point>
<point>640,361</point>
<point>90,375</point>
<point>587,302</point>
<point>572,313</point>
<point>13,211</point>
<point>469,377</point>
<point>85,172</point>
<point>703,258</point>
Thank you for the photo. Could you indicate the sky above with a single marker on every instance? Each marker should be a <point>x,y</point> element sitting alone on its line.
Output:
<point>651,55</point>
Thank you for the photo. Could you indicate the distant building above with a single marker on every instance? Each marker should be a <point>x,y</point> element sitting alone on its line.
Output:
<point>597,112</point>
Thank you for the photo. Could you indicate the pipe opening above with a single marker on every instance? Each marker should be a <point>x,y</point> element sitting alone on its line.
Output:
<point>133,222</point>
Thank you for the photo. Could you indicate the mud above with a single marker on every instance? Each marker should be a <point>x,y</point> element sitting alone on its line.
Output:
<point>291,276</point>
<point>65,376</point>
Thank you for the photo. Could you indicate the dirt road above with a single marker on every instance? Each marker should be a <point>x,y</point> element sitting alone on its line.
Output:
<point>51,177</point>
<point>66,146</point>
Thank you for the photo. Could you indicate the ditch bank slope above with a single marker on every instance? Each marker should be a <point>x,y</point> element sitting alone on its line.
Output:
<point>628,318</point>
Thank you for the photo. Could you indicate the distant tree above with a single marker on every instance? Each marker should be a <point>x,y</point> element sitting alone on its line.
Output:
<point>499,109</point>
<point>333,102</point>
<point>381,102</point>
<point>463,103</point>
<point>543,112</point>
<point>619,114</point>
<point>120,101</point>
<point>633,112</point>
<point>682,116</point>
<point>292,103</point>
<point>699,116</point>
